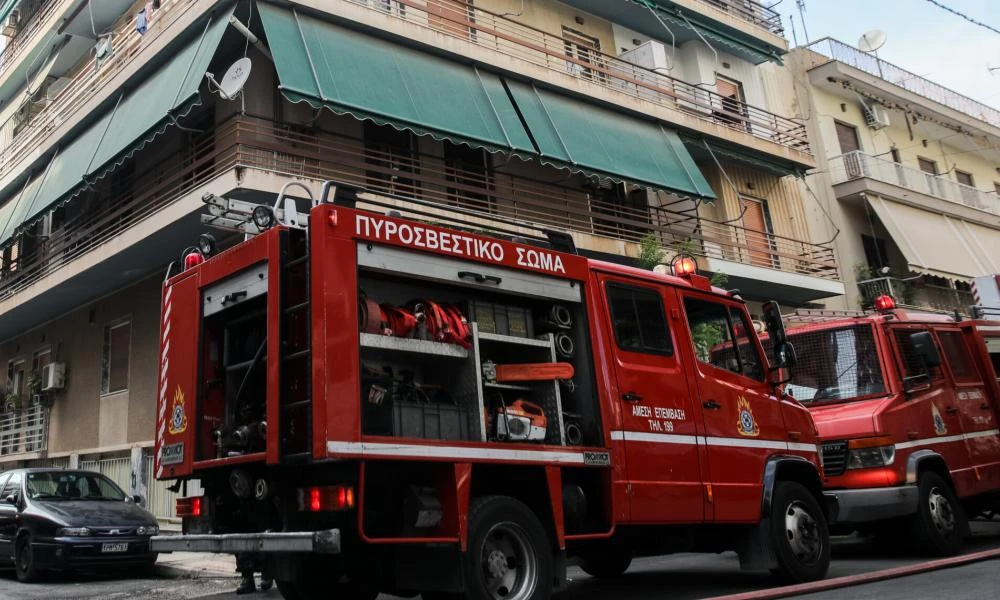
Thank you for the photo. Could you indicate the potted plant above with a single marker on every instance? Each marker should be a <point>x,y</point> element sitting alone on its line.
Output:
<point>11,399</point>
<point>33,385</point>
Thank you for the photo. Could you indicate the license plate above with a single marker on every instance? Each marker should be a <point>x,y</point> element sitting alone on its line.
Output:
<point>123,547</point>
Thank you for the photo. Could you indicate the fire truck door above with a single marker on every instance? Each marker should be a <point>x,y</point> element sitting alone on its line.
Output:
<point>742,417</point>
<point>972,399</point>
<point>657,423</point>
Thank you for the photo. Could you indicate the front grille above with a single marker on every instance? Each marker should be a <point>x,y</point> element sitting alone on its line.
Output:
<point>112,531</point>
<point>834,458</point>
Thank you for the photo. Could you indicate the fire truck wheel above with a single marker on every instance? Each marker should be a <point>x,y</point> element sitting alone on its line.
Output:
<point>509,556</point>
<point>610,565</point>
<point>801,537</point>
<point>937,527</point>
<point>315,588</point>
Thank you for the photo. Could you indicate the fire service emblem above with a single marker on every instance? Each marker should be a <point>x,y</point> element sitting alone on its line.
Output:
<point>178,418</point>
<point>747,425</point>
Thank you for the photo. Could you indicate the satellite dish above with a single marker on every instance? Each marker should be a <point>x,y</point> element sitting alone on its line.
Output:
<point>235,78</point>
<point>872,40</point>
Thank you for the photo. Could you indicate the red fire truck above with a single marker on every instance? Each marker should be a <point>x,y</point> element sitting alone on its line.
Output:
<point>906,404</point>
<point>371,403</point>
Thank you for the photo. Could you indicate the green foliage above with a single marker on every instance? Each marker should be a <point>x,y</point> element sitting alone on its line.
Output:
<point>650,252</point>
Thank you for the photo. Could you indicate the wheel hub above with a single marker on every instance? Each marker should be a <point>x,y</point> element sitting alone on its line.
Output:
<point>942,515</point>
<point>508,563</point>
<point>802,533</point>
<point>496,563</point>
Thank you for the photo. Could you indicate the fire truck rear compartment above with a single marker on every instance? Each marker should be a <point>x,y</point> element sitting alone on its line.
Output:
<point>416,387</point>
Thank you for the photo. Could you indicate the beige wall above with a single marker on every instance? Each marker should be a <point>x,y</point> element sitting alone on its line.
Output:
<point>551,17</point>
<point>81,418</point>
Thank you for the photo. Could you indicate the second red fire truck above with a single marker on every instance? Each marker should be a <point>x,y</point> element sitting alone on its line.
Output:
<point>372,403</point>
<point>906,404</point>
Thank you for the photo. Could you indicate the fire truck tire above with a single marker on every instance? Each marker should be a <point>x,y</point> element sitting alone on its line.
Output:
<point>939,522</point>
<point>800,534</point>
<point>611,565</point>
<point>316,588</point>
<point>509,553</point>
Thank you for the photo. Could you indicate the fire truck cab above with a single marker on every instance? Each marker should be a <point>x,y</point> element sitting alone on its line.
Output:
<point>906,405</point>
<point>378,404</point>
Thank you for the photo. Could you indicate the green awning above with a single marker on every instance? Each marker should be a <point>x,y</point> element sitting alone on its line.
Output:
<point>13,209</point>
<point>587,138</point>
<point>349,72</point>
<point>139,115</point>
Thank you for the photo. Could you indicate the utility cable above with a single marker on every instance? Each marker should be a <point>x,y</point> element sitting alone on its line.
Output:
<point>964,16</point>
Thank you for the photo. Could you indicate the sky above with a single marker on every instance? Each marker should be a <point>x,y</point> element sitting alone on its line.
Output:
<point>922,38</point>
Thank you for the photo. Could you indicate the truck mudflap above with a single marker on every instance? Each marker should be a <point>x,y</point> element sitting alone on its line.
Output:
<point>326,541</point>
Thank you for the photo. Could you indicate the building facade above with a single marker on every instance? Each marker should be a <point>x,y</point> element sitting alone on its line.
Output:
<point>617,121</point>
<point>907,177</point>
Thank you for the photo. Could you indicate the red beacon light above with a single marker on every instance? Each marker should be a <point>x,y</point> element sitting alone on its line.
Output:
<point>193,259</point>
<point>684,266</point>
<point>885,303</point>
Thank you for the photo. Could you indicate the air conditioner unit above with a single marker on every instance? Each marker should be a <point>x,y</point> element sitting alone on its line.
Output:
<point>876,116</point>
<point>652,55</point>
<point>53,377</point>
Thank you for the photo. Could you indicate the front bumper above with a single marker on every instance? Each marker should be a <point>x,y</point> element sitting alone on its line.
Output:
<point>323,542</point>
<point>66,552</point>
<point>873,504</point>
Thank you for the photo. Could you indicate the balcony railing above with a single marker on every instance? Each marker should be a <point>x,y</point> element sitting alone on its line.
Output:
<point>914,294</point>
<point>751,11</point>
<point>855,165</point>
<point>559,55</point>
<point>900,77</point>
<point>19,137</point>
<point>24,430</point>
<point>309,153</point>
<point>12,51</point>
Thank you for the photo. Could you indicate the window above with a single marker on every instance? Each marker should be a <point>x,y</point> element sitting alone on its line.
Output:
<point>115,363</point>
<point>847,137</point>
<point>876,254</point>
<point>470,172</point>
<point>581,48</point>
<point>452,16</point>
<point>964,178</point>
<point>15,377</point>
<point>731,105</point>
<point>759,231</point>
<point>40,359</point>
<point>638,320</point>
<point>12,487</point>
<point>391,156</point>
<point>911,363</point>
<point>835,364</point>
<point>628,212</point>
<point>956,353</point>
<point>714,328</point>
<point>927,165</point>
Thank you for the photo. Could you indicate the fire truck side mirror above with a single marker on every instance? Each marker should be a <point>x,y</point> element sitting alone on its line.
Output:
<point>926,351</point>
<point>783,351</point>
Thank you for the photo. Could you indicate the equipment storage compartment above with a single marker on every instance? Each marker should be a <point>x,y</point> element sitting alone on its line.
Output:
<point>495,374</point>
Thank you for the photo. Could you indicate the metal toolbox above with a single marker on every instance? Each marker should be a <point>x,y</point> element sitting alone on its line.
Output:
<point>501,319</point>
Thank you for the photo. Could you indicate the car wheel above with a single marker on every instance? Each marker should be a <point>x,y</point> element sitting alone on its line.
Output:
<point>24,560</point>
<point>799,533</point>
<point>609,565</point>
<point>937,527</point>
<point>509,555</point>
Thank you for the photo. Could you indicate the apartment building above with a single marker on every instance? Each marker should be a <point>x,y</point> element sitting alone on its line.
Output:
<point>614,120</point>
<point>907,178</point>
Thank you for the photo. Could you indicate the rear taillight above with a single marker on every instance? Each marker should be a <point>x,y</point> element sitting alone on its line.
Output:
<point>326,498</point>
<point>190,507</point>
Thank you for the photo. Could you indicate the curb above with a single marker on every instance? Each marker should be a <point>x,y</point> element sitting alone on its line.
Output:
<point>863,578</point>
<point>174,572</point>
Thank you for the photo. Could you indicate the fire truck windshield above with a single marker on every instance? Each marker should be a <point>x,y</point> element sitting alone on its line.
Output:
<point>835,365</point>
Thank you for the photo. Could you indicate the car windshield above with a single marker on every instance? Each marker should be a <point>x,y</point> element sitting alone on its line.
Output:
<point>71,485</point>
<point>835,364</point>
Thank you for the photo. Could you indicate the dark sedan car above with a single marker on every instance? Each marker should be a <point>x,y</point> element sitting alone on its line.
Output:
<point>61,519</point>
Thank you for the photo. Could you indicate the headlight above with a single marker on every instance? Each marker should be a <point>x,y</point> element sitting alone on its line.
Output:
<point>73,532</point>
<point>870,452</point>
<point>148,530</point>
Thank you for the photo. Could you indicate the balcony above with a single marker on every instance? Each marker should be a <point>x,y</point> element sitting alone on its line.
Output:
<point>558,55</point>
<point>486,196</point>
<point>24,430</point>
<point>855,166</point>
<point>911,82</point>
<point>16,44</point>
<point>22,134</point>
<point>752,12</point>
<point>911,293</point>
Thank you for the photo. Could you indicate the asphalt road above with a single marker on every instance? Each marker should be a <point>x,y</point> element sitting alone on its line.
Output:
<point>678,577</point>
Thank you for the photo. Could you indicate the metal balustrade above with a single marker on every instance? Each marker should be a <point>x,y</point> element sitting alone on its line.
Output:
<point>751,11</point>
<point>898,76</point>
<point>24,430</point>
<point>915,294</point>
<point>559,55</point>
<point>856,165</point>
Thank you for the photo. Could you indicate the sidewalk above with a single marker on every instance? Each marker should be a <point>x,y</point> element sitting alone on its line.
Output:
<point>196,565</point>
